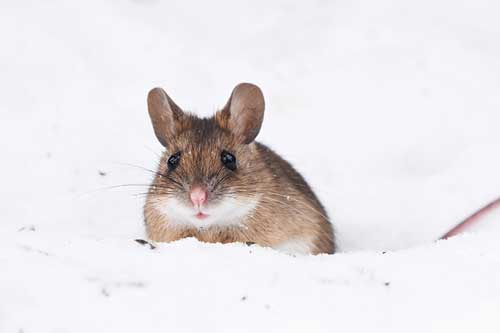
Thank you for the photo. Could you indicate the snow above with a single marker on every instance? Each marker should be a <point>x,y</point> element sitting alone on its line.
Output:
<point>390,109</point>
<point>109,285</point>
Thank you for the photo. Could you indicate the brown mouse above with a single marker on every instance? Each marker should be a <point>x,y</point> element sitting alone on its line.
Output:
<point>215,183</point>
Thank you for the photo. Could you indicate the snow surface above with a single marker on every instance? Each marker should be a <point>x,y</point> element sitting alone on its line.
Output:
<point>391,110</point>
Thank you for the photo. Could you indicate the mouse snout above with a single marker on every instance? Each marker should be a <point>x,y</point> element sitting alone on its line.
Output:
<point>198,196</point>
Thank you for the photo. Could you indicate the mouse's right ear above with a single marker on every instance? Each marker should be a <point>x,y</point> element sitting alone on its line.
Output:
<point>165,115</point>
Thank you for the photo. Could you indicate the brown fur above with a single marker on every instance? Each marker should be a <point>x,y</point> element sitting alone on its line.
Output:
<point>287,208</point>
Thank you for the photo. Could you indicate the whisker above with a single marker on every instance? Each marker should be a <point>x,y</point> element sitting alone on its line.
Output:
<point>269,194</point>
<point>151,150</point>
<point>143,168</point>
<point>301,204</point>
<point>173,181</point>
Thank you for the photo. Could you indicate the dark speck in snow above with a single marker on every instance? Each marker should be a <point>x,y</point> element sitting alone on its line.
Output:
<point>27,228</point>
<point>104,292</point>
<point>144,242</point>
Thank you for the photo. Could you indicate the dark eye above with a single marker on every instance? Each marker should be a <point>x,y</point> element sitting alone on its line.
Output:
<point>173,161</point>
<point>228,160</point>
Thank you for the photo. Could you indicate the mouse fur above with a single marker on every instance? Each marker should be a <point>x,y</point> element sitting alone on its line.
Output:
<point>264,200</point>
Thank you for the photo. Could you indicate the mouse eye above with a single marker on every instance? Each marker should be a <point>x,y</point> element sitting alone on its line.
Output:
<point>228,160</point>
<point>173,161</point>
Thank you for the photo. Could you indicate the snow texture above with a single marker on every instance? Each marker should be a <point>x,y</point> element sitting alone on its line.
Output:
<point>390,109</point>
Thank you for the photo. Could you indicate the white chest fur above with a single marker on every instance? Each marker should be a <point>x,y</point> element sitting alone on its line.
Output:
<point>230,212</point>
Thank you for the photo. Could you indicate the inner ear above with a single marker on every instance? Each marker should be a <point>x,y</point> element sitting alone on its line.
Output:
<point>165,115</point>
<point>244,112</point>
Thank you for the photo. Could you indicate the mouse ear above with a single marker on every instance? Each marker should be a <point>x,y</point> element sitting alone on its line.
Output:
<point>245,111</point>
<point>164,113</point>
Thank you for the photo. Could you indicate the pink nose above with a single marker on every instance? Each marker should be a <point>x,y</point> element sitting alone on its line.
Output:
<point>198,196</point>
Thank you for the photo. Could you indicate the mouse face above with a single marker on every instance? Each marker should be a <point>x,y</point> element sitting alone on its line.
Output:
<point>208,173</point>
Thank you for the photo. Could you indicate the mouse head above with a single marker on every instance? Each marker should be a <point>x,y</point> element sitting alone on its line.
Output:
<point>208,174</point>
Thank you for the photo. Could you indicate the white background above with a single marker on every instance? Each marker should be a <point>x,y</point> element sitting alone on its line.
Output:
<point>391,110</point>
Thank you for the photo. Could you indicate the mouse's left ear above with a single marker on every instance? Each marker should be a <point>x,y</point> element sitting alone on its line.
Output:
<point>244,112</point>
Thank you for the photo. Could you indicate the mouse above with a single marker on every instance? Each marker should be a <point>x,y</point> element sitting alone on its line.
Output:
<point>216,183</point>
